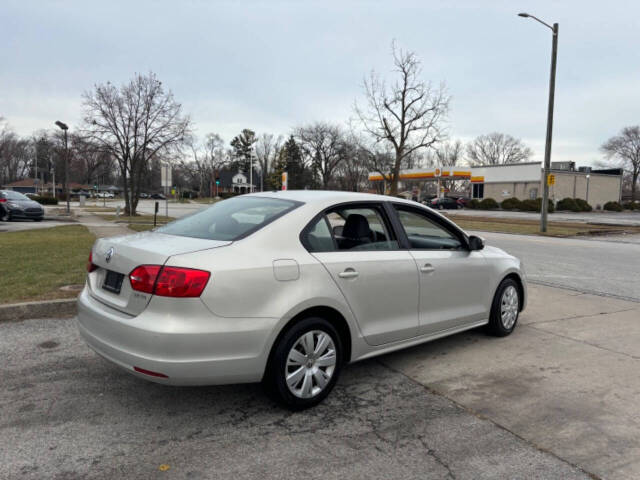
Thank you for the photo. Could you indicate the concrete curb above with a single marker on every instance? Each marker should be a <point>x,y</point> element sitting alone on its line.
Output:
<point>15,312</point>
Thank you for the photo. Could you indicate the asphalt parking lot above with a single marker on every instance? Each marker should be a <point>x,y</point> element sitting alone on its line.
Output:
<point>558,399</point>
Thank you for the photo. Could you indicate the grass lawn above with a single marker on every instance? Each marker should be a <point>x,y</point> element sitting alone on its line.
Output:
<point>141,227</point>
<point>99,209</point>
<point>36,263</point>
<point>532,227</point>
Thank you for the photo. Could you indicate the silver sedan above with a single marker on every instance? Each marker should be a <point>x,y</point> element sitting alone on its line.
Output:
<point>288,287</point>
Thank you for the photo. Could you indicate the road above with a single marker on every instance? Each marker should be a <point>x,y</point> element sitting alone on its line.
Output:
<point>626,218</point>
<point>588,265</point>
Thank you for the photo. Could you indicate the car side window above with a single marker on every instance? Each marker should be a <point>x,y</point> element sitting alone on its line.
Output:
<point>318,238</point>
<point>360,228</point>
<point>425,234</point>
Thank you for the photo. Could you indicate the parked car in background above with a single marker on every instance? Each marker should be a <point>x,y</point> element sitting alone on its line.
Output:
<point>287,287</point>
<point>105,195</point>
<point>158,196</point>
<point>144,195</point>
<point>463,201</point>
<point>16,205</point>
<point>445,203</point>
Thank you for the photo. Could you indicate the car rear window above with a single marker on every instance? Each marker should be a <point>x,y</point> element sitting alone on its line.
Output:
<point>230,219</point>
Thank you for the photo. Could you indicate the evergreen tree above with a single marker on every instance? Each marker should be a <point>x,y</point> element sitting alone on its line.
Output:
<point>242,145</point>
<point>290,160</point>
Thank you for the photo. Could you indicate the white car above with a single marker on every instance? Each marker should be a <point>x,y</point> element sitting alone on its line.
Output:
<point>105,195</point>
<point>288,287</point>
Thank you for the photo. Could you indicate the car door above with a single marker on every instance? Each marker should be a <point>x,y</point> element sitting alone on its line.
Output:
<point>378,279</point>
<point>453,280</point>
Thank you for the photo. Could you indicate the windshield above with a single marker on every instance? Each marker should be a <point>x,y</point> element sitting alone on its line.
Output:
<point>230,219</point>
<point>9,195</point>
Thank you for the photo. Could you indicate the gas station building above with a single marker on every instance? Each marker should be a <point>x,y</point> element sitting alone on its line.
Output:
<point>522,181</point>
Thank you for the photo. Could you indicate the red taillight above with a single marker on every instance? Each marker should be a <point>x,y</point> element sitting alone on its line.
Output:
<point>181,282</point>
<point>3,200</point>
<point>169,281</point>
<point>143,278</point>
<point>90,265</point>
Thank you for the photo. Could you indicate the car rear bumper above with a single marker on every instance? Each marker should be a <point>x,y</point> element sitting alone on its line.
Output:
<point>190,347</point>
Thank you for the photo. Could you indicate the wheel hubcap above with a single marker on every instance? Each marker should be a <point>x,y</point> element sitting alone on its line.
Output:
<point>310,364</point>
<point>509,307</point>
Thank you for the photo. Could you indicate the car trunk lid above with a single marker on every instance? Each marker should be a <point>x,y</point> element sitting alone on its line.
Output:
<point>116,257</point>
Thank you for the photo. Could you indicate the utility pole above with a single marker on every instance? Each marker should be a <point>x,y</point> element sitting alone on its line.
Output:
<point>64,128</point>
<point>547,148</point>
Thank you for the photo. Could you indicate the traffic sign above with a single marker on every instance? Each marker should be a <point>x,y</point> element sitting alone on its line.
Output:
<point>551,179</point>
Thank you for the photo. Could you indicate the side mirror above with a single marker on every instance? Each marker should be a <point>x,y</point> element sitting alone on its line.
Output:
<point>475,243</point>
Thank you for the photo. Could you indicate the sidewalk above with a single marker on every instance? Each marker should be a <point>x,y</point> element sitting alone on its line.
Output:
<point>100,227</point>
<point>566,380</point>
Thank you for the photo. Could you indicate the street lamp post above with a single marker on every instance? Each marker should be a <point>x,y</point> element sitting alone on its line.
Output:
<point>64,128</point>
<point>547,148</point>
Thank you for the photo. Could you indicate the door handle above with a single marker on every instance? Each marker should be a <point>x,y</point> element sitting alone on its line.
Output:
<point>427,268</point>
<point>348,273</point>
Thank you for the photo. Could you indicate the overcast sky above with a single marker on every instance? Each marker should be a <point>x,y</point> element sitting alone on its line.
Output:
<point>270,66</point>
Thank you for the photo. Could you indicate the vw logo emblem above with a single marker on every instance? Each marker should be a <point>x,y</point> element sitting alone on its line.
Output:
<point>110,253</point>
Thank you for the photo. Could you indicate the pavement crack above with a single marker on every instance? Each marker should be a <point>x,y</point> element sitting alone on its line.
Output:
<point>584,342</point>
<point>573,317</point>
<point>432,453</point>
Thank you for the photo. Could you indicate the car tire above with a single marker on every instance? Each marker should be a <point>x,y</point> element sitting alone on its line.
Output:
<point>505,309</point>
<point>37,219</point>
<point>440,207</point>
<point>304,389</point>
<point>459,207</point>
<point>5,216</point>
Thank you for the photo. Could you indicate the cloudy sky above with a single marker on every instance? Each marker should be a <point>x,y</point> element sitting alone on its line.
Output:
<point>273,65</point>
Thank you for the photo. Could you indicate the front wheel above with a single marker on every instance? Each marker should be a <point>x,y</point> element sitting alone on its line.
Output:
<point>305,364</point>
<point>4,215</point>
<point>505,308</point>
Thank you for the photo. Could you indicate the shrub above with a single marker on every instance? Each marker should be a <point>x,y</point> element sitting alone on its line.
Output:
<point>568,204</point>
<point>225,195</point>
<point>511,204</point>
<point>612,207</point>
<point>474,203</point>
<point>488,204</point>
<point>530,205</point>
<point>583,205</point>
<point>45,200</point>
<point>631,205</point>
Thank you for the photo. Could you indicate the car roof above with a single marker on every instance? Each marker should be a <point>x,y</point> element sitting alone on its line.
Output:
<point>329,196</point>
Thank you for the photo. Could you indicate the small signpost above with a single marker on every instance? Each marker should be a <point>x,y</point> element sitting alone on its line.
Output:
<point>166,182</point>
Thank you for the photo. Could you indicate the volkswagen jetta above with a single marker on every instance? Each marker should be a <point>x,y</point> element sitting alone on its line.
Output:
<point>288,287</point>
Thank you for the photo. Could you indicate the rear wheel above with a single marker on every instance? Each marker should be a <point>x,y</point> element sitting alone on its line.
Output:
<point>505,308</point>
<point>4,215</point>
<point>305,364</point>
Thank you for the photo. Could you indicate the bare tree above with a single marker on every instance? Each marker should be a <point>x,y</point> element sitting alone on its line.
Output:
<point>625,149</point>
<point>135,123</point>
<point>353,173</point>
<point>15,154</point>
<point>323,143</point>
<point>267,149</point>
<point>408,116</point>
<point>497,149</point>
